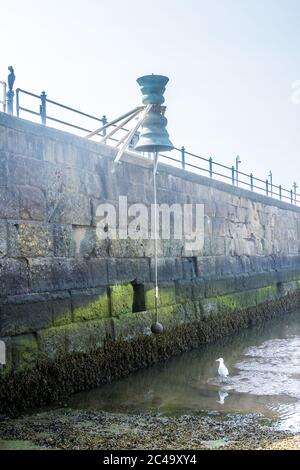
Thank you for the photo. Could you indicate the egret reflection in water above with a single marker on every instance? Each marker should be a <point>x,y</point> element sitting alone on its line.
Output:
<point>222,396</point>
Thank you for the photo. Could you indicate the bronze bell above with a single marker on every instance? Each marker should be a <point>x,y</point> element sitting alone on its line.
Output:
<point>153,135</point>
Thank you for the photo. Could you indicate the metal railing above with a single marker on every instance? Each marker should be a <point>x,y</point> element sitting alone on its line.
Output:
<point>179,157</point>
<point>42,111</point>
<point>3,99</point>
<point>229,174</point>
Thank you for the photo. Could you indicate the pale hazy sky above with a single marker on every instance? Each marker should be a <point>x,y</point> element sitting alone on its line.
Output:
<point>231,65</point>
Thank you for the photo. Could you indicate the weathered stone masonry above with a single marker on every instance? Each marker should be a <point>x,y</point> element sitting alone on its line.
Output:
<point>64,294</point>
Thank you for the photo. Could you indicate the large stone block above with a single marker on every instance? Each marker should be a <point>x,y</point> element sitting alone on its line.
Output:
<point>168,269</point>
<point>193,311</point>
<point>14,278</point>
<point>41,277</point>
<point>3,239</point>
<point>87,244</point>
<point>184,291</point>
<point>27,171</point>
<point>219,227</point>
<point>127,248</point>
<point>132,325</point>
<point>61,308</point>
<point>228,265</point>
<point>198,288</point>
<point>97,272</point>
<point>237,301</point>
<point>217,246</point>
<point>25,143</point>
<point>69,208</point>
<point>24,352</point>
<point>166,295</point>
<point>61,273</point>
<point>25,314</point>
<point>9,203</point>
<point>84,241</point>
<point>3,167</point>
<point>3,137</point>
<point>88,336</point>
<point>93,184</point>
<point>189,266</point>
<point>170,316</point>
<point>29,240</point>
<point>268,293</point>
<point>206,266</point>
<point>90,304</point>
<point>121,299</point>
<point>128,270</point>
<point>216,287</point>
<point>52,342</point>
<point>62,241</point>
<point>32,204</point>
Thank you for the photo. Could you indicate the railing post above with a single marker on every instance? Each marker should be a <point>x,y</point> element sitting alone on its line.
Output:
<point>291,196</point>
<point>104,121</point>
<point>251,181</point>
<point>237,161</point>
<point>295,192</point>
<point>280,192</point>
<point>210,167</point>
<point>271,182</point>
<point>183,157</point>
<point>232,174</point>
<point>17,102</point>
<point>43,108</point>
<point>267,187</point>
<point>4,95</point>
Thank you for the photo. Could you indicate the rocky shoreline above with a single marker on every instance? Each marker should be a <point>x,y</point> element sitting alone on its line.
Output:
<point>71,429</point>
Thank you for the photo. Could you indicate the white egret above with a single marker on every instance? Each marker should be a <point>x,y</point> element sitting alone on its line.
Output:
<point>222,370</point>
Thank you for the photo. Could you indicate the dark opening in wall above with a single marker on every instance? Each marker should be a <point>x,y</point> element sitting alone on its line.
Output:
<point>138,297</point>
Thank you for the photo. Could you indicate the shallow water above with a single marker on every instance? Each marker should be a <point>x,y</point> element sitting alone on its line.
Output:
<point>264,368</point>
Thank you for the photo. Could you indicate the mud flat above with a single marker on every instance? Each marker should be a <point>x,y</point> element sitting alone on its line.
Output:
<point>71,429</point>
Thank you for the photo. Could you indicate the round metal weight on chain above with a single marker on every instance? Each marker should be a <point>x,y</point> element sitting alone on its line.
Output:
<point>157,328</point>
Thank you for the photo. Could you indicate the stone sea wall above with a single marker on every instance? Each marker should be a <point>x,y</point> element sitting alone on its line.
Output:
<point>66,295</point>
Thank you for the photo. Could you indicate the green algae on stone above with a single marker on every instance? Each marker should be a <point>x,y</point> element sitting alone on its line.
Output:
<point>52,342</point>
<point>171,316</point>
<point>90,304</point>
<point>24,352</point>
<point>121,299</point>
<point>166,295</point>
<point>75,337</point>
<point>132,325</point>
<point>220,287</point>
<point>61,308</point>
<point>87,336</point>
<point>264,294</point>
